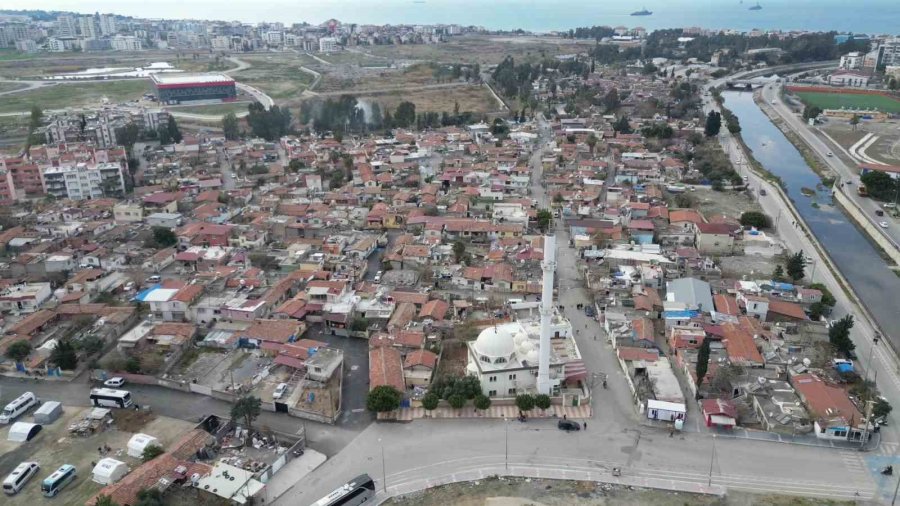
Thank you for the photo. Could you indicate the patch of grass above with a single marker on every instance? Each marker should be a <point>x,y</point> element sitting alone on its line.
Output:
<point>61,96</point>
<point>482,49</point>
<point>12,54</point>
<point>476,99</point>
<point>278,76</point>
<point>10,86</point>
<point>850,101</point>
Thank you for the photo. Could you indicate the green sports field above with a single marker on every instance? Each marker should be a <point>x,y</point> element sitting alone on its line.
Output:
<point>850,101</point>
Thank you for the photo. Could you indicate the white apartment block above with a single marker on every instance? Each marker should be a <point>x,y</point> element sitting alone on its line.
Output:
<point>107,25</point>
<point>89,28</point>
<point>274,38</point>
<point>891,51</point>
<point>65,26</point>
<point>126,43</point>
<point>851,61</point>
<point>80,182</point>
<point>220,43</point>
<point>55,45</point>
<point>328,45</point>
<point>24,297</point>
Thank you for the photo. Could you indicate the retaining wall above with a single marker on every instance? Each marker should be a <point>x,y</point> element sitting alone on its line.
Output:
<point>867,225</point>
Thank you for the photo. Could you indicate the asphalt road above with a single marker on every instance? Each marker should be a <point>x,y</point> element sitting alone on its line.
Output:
<point>421,454</point>
<point>772,96</point>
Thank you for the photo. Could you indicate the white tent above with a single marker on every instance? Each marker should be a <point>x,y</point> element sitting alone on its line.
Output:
<point>48,412</point>
<point>23,431</point>
<point>139,442</point>
<point>109,471</point>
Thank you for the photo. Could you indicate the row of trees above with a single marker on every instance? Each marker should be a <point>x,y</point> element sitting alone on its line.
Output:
<point>881,186</point>
<point>794,268</point>
<point>269,124</point>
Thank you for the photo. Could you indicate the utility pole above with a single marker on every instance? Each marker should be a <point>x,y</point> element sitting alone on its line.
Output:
<point>383,469</point>
<point>712,457</point>
<point>506,453</point>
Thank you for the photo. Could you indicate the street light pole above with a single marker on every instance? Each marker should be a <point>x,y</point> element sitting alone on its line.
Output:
<point>506,452</point>
<point>383,469</point>
<point>712,457</point>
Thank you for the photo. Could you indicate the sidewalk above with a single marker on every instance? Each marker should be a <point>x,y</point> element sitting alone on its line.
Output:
<point>294,471</point>
<point>576,413</point>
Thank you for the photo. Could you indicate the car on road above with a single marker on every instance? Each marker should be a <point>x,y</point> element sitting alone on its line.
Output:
<point>889,205</point>
<point>114,382</point>
<point>829,154</point>
<point>879,212</point>
<point>568,425</point>
<point>589,311</point>
<point>378,276</point>
<point>883,224</point>
<point>152,280</point>
<point>763,192</point>
<point>280,390</point>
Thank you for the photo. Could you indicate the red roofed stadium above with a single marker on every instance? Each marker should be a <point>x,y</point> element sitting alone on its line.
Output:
<point>174,88</point>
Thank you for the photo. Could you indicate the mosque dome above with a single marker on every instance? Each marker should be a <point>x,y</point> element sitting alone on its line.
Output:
<point>496,341</point>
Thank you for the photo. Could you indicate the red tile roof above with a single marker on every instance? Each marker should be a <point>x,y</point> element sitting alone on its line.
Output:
<point>788,309</point>
<point>631,354</point>
<point>386,368</point>
<point>420,357</point>
<point>726,304</point>
<point>823,400</point>
<point>740,346</point>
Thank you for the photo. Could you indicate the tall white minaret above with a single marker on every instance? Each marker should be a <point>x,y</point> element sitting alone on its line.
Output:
<point>549,268</point>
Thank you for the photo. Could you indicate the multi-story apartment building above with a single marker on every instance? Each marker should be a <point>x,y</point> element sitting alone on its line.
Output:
<point>89,27</point>
<point>107,25</point>
<point>24,176</point>
<point>65,26</point>
<point>890,51</point>
<point>126,43</point>
<point>83,181</point>
<point>328,44</point>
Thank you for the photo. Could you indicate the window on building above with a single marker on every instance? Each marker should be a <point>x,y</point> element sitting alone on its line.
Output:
<point>512,391</point>
<point>492,378</point>
<point>512,376</point>
<point>492,393</point>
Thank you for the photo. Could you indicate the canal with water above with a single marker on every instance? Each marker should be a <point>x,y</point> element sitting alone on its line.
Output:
<point>857,258</point>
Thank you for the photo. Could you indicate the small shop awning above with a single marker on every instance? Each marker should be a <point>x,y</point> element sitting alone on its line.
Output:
<point>576,370</point>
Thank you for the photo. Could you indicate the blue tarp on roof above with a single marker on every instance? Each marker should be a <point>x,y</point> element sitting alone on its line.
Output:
<point>681,315</point>
<point>844,367</point>
<point>143,293</point>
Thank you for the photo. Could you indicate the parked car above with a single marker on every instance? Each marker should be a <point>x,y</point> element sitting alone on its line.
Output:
<point>883,224</point>
<point>589,311</point>
<point>114,382</point>
<point>153,280</point>
<point>829,154</point>
<point>762,192</point>
<point>280,390</point>
<point>378,276</point>
<point>568,425</point>
<point>879,212</point>
<point>889,205</point>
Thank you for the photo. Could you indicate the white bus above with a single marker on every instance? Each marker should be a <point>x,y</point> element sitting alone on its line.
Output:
<point>358,491</point>
<point>109,398</point>
<point>15,408</point>
<point>19,477</point>
<point>58,480</point>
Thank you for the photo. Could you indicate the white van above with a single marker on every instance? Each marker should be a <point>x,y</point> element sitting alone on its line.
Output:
<point>19,477</point>
<point>15,408</point>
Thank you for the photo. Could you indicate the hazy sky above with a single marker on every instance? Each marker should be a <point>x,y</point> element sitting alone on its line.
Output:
<point>857,15</point>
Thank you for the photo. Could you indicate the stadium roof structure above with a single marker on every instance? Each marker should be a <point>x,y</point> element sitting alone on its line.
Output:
<point>179,80</point>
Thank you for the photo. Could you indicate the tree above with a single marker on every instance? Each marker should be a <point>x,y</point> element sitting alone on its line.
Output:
<point>18,351</point>
<point>91,345</point>
<point>164,237</point>
<point>558,198</point>
<point>882,408</point>
<point>133,365</point>
<point>713,124</point>
<point>383,398</point>
<point>246,409</point>
<point>592,142</point>
<point>817,310</point>
<point>230,127</point>
<point>359,324</point>
<point>755,219</point>
<point>622,125</point>
<point>456,401</point>
<point>482,402</point>
<point>64,355</point>
<point>405,114</point>
<point>542,401</point>
<point>811,111</point>
<point>778,273</point>
<point>430,401</point>
<point>544,217</point>
<point>151,452</point>
<point>174,131</point>
<point>702,363</point>
<point>795,266</point>
<point>839,335</point>
<point>150,497</point>
<point>880,185</point>
<point>611,100</point>
<point>36,116</point>
<point>525,402</point>
<point>105,500</point>
<point>459,249</point>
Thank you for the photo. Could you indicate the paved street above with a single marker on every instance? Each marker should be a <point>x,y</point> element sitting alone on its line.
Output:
<point>427,453</point>
<point>821,145</point>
